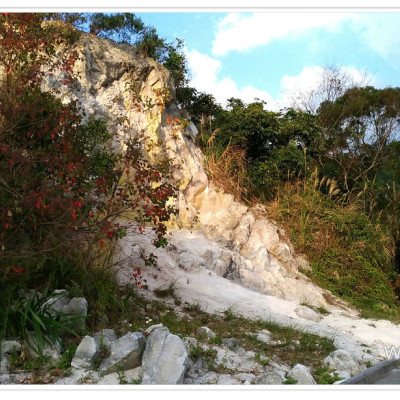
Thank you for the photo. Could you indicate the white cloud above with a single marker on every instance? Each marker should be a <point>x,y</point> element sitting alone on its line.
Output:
<point>294,89</point>
<point>205,71</point>
<point>380,32</point>
<point>238,32</point>
<point>242,32</point>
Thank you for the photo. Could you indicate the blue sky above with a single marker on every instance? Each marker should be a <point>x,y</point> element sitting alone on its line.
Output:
<point>274,55</point>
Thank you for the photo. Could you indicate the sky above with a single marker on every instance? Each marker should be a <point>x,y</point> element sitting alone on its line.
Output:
<point>274,56</point>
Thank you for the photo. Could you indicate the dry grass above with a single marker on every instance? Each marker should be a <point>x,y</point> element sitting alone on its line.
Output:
<point>229,171</point>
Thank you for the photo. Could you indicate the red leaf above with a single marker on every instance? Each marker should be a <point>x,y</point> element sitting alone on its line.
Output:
<point>17,270</point>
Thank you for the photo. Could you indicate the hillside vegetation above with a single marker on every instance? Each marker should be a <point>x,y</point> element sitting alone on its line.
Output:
<point>328,174</point>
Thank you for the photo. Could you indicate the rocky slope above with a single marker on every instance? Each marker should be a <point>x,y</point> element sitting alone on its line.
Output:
<point>221,254</point>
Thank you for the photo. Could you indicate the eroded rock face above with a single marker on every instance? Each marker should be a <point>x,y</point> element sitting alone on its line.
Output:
<point>165,359</point>
<point>120,86</point>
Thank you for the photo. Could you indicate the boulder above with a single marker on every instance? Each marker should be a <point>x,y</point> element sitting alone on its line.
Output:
<point>165,359</point>
<point>206,333</point>
<point>4,365</point>
<point>231,343</point>
<point>303,264</point>
<point>244,378</point>
<point>240,360</point>
<point>153,327</point>
<point>302,374</point>
<point>192,130</point>
<point>77,307</point>
<point>226,379</point>
<point>307,313</point>
<point>342,360</point>
<point>57,301</point>
<point>126,353</point>
<point>86,354</point>
<point>265,337</point>
<point>270,378</point>
<point>190,343</point>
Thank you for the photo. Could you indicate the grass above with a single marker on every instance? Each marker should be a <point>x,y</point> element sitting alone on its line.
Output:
<point>291,346</point>
<point>323,377</point>
<point>350,255</point>
<point>289,380</point>
<point>168,291</point>
<point>261,359</point>
<point>320,310</point>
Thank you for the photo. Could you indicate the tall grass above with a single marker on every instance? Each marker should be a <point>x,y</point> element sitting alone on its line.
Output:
<point>350,255</point>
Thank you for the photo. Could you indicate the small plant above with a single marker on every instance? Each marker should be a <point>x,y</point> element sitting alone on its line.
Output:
<point>368,364</point>
<point>261,359</point>
<point>168,291</point>
<point>208,356</point>
<point>216,340</point>
<point>194,307</point>
<point>289,380</point>
<point>121,376</point>
<point>324,378</point>
<point>320,310</point>
<point>66,357</point>
<point>229,315</point>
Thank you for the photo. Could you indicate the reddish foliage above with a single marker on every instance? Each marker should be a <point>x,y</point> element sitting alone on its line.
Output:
<point>57,188</point>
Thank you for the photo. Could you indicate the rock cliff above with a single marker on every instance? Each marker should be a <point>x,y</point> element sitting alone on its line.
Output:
<point>221,253</point>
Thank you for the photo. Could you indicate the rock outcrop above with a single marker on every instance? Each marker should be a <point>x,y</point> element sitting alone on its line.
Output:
<point>134,95</point>
<point>221,253</point>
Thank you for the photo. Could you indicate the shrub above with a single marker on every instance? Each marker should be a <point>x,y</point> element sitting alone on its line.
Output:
<point>65,197</point>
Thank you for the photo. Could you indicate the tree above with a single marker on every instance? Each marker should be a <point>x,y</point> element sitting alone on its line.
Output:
<point>359,126</point>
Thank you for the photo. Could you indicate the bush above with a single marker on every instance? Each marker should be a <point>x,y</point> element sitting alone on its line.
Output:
<point>65,197</point>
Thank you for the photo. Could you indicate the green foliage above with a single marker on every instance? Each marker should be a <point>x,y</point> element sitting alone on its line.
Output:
<point>289,380</point>
<point>349,253</point>
<point>64,196</point>
<point>324,378</point>
<point>30,315</point>
<point>261,359</point>
<point>278,146</point>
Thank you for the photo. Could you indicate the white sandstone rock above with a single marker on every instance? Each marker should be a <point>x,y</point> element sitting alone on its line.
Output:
<point>206,332</point>
<point>342,360</point>
<point>307,313</point>
<point>302,374</point>
<point>165,359</point>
